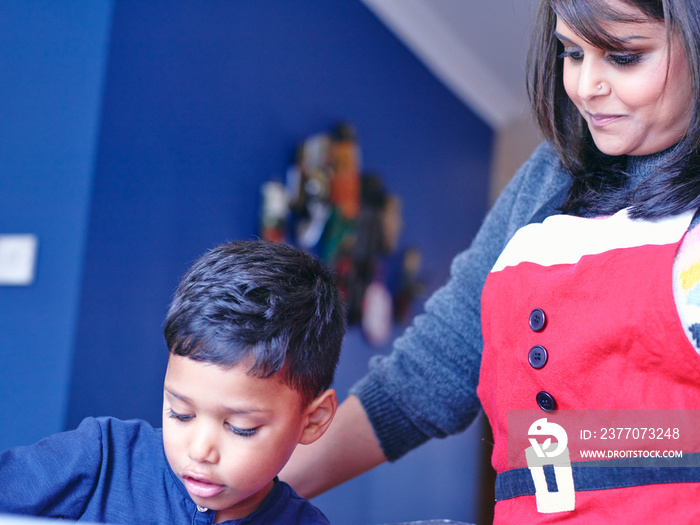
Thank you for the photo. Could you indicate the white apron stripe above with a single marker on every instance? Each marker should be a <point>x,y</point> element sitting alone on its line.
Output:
<point>569,238</point>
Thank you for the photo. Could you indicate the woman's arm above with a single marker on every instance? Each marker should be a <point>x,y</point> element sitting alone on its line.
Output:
<point>426,387</point>
<point>347,449</point>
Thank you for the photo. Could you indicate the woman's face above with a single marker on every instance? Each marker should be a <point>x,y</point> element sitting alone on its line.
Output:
<point>638,99</point>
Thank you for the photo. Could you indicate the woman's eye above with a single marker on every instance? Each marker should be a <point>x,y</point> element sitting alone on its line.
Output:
<point>573,55</point>
<point>179,417</point>
<point>243,432</point>
<point>624,60</point>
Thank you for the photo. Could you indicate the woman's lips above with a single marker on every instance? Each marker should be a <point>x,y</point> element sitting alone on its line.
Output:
<point>601,120</point>
<point>201,487</point>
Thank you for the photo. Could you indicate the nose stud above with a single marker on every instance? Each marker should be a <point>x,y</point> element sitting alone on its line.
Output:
<point>600,86</point>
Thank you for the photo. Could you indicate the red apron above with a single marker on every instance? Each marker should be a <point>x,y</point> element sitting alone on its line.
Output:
<point>579,314</point>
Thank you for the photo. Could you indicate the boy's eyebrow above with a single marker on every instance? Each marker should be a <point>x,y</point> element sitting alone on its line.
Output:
<point>248,410</point>
<point>181,397</point>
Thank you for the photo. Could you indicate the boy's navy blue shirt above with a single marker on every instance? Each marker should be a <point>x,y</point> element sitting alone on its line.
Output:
<point>114,471</point>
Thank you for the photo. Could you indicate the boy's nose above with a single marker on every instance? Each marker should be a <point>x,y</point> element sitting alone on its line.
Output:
<point>203,448</point>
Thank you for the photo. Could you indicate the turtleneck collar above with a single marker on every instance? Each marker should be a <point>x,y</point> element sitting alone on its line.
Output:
<point>640,167</point>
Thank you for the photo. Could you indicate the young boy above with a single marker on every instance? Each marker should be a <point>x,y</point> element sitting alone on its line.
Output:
<point>254,335</point>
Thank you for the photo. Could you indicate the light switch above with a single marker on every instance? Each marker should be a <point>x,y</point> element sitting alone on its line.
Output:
<point>18,259</point>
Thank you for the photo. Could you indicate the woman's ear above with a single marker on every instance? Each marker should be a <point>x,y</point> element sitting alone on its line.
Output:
<point>319,415</point>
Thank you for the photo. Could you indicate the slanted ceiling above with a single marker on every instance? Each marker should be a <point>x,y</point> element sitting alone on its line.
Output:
<point>476,48</point>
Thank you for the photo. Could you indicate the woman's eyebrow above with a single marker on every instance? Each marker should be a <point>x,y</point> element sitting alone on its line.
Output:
<point>563,38</point>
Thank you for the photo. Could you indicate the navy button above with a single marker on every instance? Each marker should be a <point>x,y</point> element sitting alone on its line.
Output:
<point>546,402</point>
<point>537,357</point>
<point>537,319</point>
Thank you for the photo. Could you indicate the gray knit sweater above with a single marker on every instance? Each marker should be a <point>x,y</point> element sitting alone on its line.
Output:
<point>427,387</point>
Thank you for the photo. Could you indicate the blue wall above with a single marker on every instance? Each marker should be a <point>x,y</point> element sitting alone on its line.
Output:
<point>202,103</point>
<point>52,61</point>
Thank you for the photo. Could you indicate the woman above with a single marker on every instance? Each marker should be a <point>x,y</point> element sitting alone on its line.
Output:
<point>577,312</point>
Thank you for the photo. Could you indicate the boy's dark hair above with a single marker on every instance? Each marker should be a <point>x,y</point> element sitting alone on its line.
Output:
<point>268,302</point>
<point>599,181</point>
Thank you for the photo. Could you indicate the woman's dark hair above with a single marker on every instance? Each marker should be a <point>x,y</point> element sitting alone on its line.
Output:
<point>269,305</point>
<point>599,180</point>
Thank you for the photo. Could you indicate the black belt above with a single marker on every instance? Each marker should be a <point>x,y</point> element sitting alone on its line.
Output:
<point>600,475</point>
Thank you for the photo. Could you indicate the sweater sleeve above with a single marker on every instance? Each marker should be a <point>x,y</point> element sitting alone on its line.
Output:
<point>54,477</point>
<point>426,387</point>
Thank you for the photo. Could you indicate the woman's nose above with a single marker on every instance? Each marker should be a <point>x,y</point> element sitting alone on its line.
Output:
<point>591,81</point>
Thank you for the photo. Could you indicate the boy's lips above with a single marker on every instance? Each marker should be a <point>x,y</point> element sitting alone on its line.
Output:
<point>200,486</point>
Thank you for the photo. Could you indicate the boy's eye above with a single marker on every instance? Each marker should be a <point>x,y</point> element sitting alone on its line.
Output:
<point>179,417</point>
<point>243,432</point>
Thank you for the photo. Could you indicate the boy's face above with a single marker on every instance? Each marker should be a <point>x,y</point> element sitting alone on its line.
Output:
<point>227,434</point>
